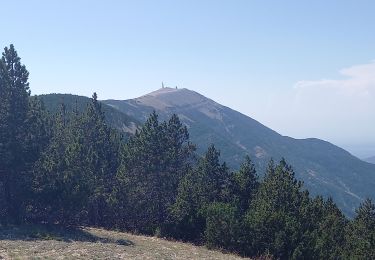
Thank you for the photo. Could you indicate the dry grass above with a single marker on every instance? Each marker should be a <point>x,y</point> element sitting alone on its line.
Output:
<point>53,242</point>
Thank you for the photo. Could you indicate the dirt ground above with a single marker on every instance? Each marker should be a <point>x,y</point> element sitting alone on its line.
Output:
<point>52,242</point>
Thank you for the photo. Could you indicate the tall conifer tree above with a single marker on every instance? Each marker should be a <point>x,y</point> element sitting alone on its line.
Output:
<point>19,132</point>
<point>361,233</point>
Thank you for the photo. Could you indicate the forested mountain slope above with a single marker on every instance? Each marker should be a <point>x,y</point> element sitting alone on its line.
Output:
<point>115,118</point>
<point>325,168</point>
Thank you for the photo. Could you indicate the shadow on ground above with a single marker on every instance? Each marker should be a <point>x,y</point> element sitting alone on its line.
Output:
<point>56,232</point>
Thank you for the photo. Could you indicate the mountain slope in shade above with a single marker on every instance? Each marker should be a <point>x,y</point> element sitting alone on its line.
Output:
<point>370,159</point>
<point>325,168</point>
<point>114,117</point>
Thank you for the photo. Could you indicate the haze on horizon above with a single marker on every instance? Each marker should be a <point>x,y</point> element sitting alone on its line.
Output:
<point>304,69</point>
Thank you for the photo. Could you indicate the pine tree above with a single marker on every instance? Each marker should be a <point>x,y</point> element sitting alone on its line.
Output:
<point>273,219</point>
<point>15,161</point>
<point>223,226</point>
<point>209,182</point>
<point>245,184</point>
<point>52,182</point>
<point>5,154</point>
<point>101,146</point>
<point>325,233</point>
<point>139,176</point>
<point>153,162</point>
<point>75,176</point>
<point>361,233</point>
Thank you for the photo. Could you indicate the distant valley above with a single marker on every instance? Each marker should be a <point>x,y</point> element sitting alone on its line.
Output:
<point>370,159</point>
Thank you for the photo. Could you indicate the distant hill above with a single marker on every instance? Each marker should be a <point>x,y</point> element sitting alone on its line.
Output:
<point>370,159</point>
<point>325,168</point>
<point>114,117</point>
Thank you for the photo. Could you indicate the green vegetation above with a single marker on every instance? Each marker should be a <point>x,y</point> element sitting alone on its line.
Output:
<point>324,168</point>
<point>70,168</point>
<point>113,117</point>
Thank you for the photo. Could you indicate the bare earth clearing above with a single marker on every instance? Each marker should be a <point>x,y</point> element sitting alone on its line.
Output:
<point>51,242</point>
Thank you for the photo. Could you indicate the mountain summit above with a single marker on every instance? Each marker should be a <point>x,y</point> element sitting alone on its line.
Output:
<point>171,97</point>
<point>325,168</point>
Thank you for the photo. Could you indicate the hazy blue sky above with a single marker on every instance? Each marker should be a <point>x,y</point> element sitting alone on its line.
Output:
<point>303,68</point>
